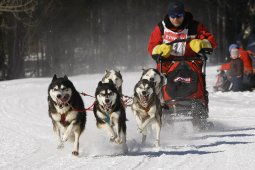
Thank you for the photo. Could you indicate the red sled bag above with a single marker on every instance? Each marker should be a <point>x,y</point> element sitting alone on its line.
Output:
<point>184,81</point>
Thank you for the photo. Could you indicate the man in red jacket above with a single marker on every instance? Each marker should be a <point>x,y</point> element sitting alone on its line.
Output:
<point>178,24</point>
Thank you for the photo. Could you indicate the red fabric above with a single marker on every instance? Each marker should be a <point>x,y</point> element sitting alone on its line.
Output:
<point>63,120</point>
<point>244,55</point>
<point>250,53</point>
<point>225,66</point>
<point>155,39</point>
<point>200,88</point>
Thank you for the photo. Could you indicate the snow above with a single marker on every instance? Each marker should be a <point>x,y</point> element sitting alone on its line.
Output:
<point>27,140</point>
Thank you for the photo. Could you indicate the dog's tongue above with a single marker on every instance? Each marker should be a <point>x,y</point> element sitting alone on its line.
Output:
<point>108,105</point>
<point>64,99</point>
<point>144,98</point>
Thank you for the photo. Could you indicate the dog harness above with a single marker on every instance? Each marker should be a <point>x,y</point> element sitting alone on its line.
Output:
<point>107,119</point>
<point>107,114</point>
<point>63,120</point>
<point>146,109</point>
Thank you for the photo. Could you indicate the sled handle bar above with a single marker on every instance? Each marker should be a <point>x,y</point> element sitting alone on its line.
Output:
<point>200,56</point>
<point>179,40</point>
<point>203,50</point>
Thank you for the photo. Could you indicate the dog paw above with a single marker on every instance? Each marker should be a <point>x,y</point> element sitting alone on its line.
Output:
<point>156,144</point>
<point>118,140</point>
<point>75,153</point>
<point>64,138</point>
<point>60,146</point>
<point>112,138</point>
<point>139,130</point>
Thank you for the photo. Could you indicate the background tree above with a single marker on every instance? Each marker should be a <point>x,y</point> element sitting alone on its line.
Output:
<point>40,38</point>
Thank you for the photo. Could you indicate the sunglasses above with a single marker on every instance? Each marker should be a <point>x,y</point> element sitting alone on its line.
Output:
<point>177,15</point>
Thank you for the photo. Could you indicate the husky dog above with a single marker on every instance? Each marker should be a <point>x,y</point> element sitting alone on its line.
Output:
<point>146,108</point>
<point>116,77</point>
<point>110,113</point>
<point>153,75</point>
<point>66,110</point>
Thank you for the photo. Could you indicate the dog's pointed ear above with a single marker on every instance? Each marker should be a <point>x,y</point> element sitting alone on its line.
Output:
<point>65,77</point>
<point>100,83</point>
<point>107,71</point>
<point>54,77</point>
<point>144,70</point>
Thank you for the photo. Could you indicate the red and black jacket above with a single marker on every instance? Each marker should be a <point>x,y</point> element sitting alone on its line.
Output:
<point>247,61</point>
<point>189,27</point>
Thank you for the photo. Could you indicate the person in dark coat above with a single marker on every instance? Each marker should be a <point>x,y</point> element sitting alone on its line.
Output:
<point>236,69</point>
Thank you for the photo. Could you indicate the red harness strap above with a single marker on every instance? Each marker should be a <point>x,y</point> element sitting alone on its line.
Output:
<point>85,94</point>
<point>146,109</point>
<point>126,101</point>
<point>63,120</point>
<point>90,108</point>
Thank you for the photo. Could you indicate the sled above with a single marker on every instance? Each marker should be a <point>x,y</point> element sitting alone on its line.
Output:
<point>184,93</point>
<point>223,83</point>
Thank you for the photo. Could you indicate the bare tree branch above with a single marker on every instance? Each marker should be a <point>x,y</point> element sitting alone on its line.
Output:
<point>17,5</point>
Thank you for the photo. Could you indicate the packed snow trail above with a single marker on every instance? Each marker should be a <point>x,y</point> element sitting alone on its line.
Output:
<point>27,140</point>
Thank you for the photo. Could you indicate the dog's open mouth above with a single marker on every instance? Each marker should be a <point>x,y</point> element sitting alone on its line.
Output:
<point>64,99</point>
<point>108,106</point>
<point>144,98</point>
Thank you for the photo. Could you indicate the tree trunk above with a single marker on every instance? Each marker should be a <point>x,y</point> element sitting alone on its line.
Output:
<point>15,56</point>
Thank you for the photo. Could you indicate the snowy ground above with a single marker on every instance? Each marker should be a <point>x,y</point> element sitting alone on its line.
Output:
<point>28,142</point>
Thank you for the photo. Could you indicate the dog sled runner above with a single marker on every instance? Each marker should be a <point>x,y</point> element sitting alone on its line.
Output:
<point>184,92</point>
<point>223,83</point>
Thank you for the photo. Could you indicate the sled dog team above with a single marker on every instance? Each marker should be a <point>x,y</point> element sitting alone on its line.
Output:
<point>68,114</point>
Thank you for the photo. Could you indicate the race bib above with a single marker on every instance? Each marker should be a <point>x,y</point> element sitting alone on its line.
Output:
<point>178,49</point>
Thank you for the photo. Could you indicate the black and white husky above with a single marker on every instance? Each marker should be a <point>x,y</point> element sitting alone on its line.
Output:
<point>153,75</point>
<point>116,77</point>
<point>147,110</point>
<point>110,113</point>
<point>66,110</point>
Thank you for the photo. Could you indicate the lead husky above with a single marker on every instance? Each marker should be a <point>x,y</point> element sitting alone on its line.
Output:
<point>110,113</point>
<point>66,110</point>
<point>146,108</point>
<point>116,77</point>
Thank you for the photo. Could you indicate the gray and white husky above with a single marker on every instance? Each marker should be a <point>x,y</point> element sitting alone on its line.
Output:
<point>66,110</point>
<point>147,110</point>
<point>110,113</point>
<point>116,77</point>
<point>153,75</point>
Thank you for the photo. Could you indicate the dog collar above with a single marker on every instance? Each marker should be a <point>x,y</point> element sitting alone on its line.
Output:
<point>63,120</point>
<point>61,105</point>
<point>107,114</point>
<point>146,109</point>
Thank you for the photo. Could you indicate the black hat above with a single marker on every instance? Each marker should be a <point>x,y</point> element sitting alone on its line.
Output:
<point>176,8</point>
